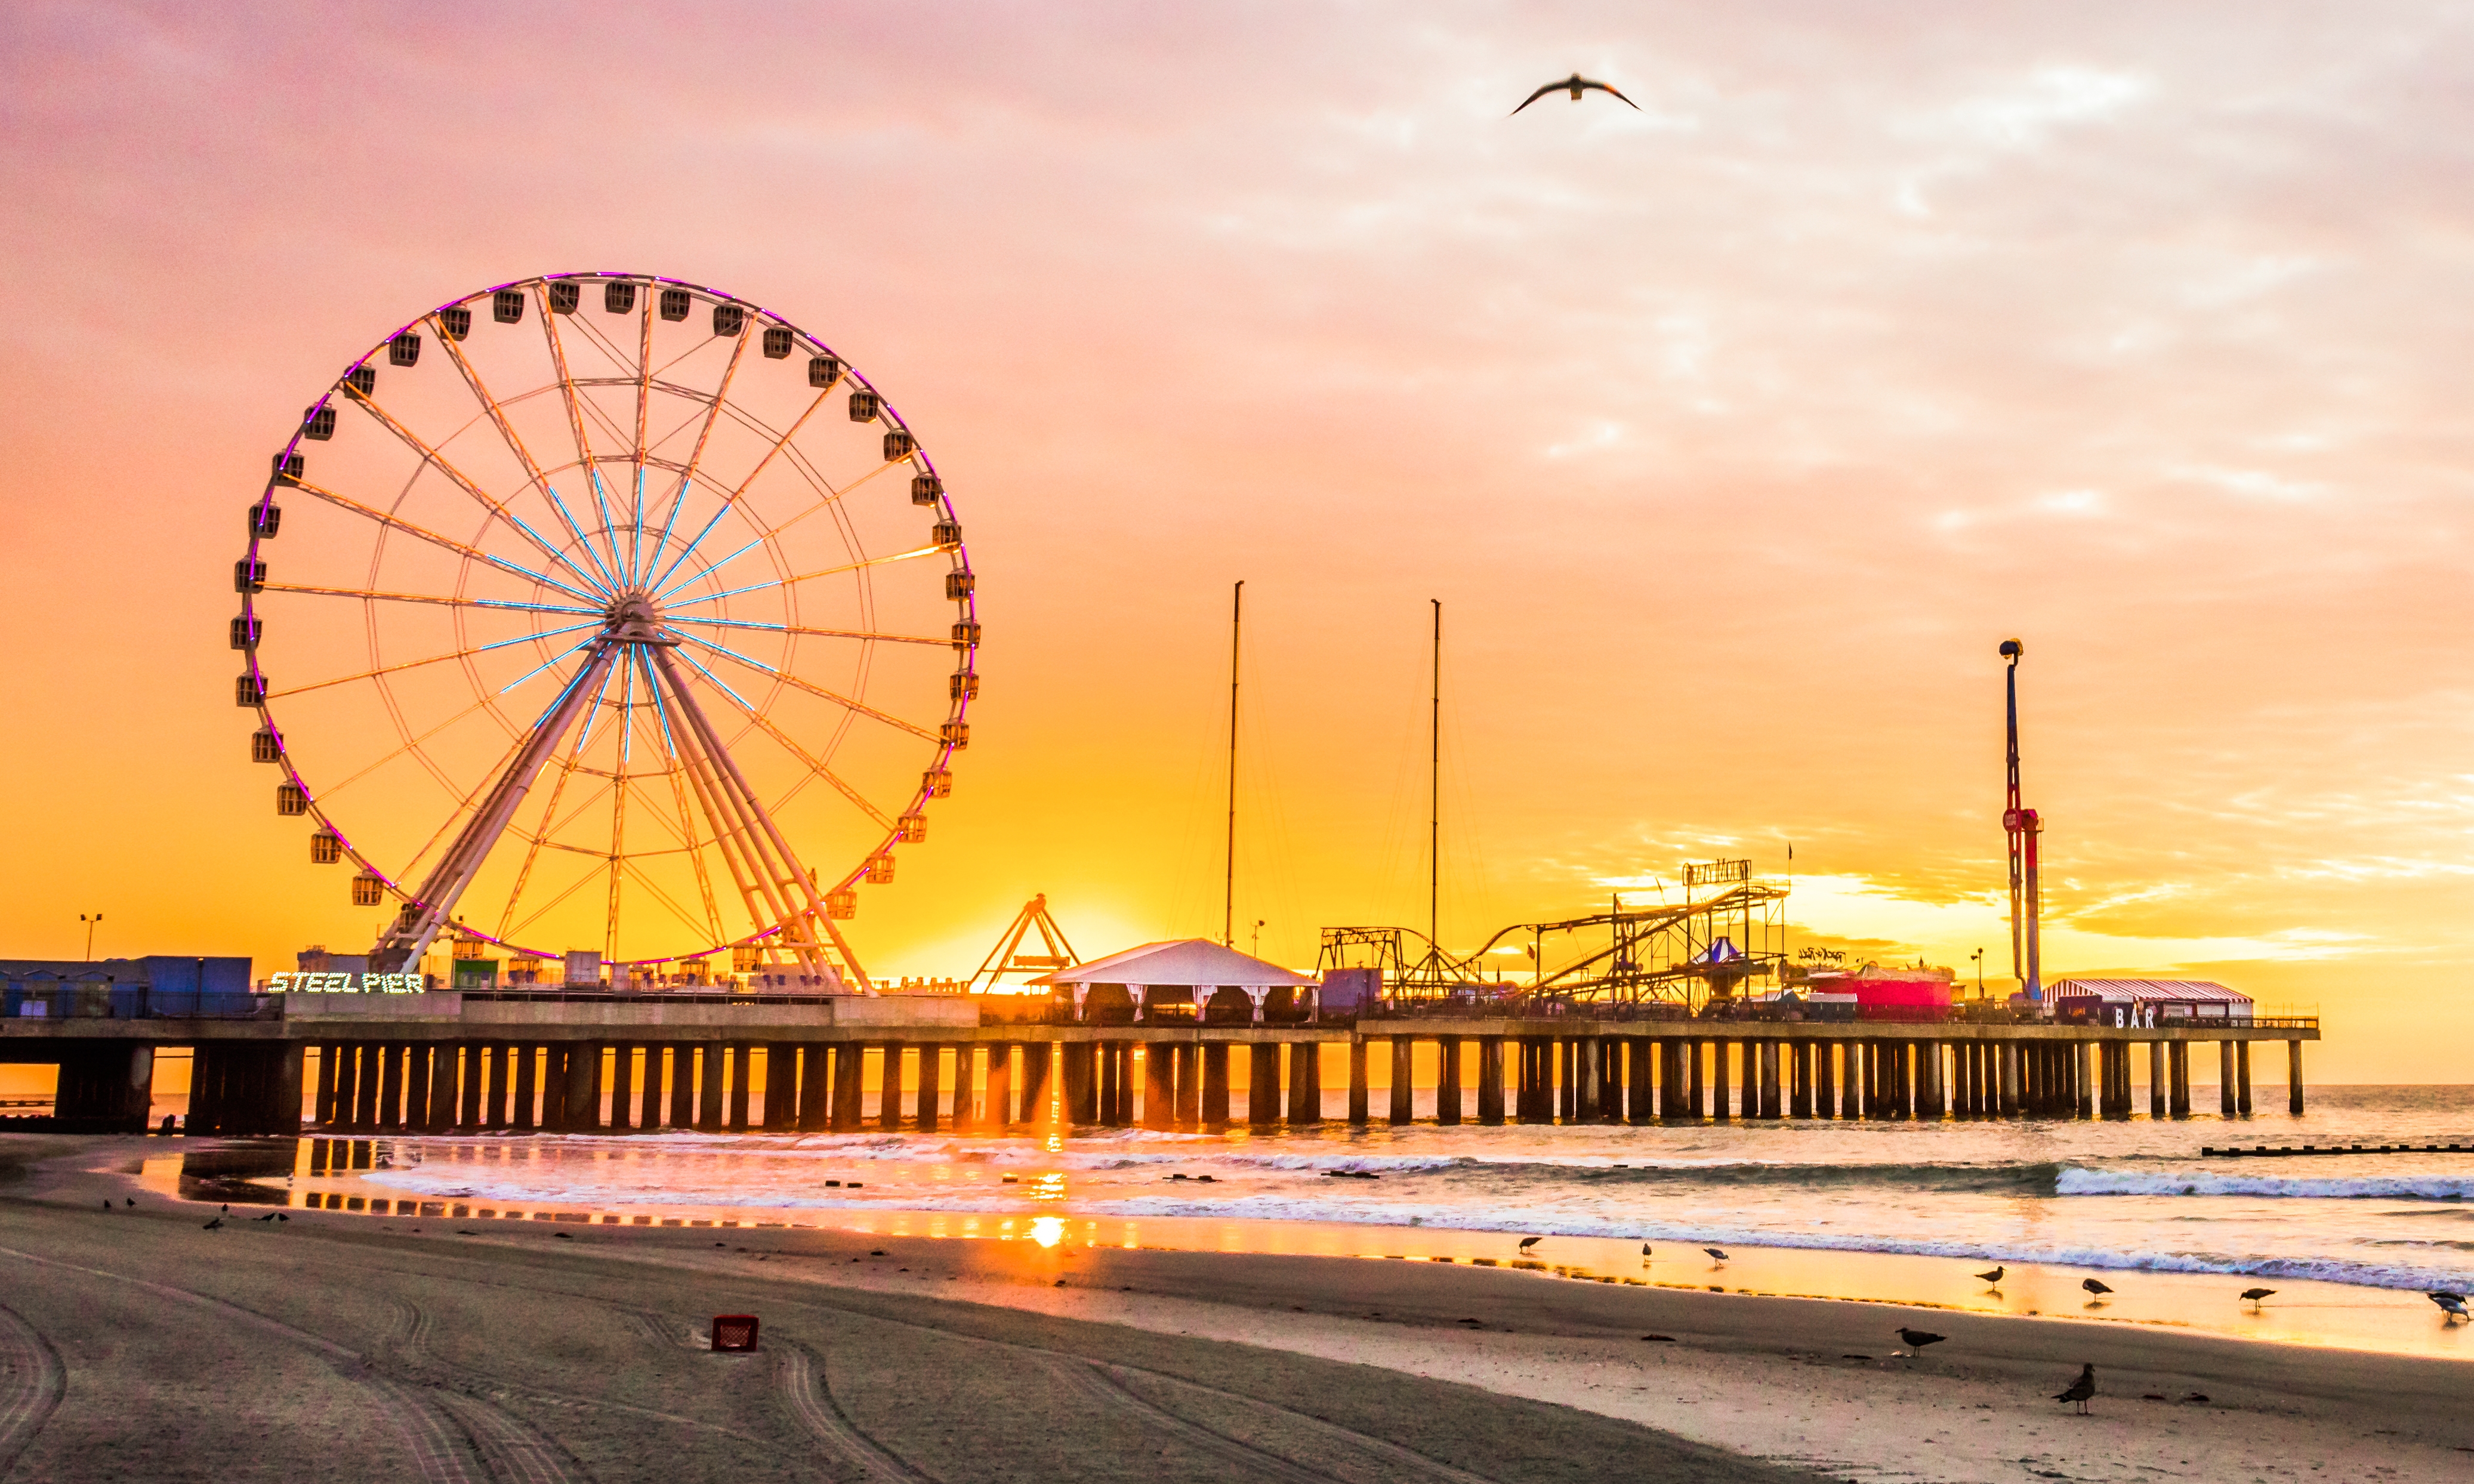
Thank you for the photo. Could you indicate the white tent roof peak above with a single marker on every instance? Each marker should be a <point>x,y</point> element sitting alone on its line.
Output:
<point>1194,962</point>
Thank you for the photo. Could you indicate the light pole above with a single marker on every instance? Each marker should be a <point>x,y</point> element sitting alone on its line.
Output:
<point>90,923</point>
<point>1978,956</point>
<point>1258,938</point>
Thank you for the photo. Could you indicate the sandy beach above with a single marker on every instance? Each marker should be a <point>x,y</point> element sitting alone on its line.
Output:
<point>134,1345</point>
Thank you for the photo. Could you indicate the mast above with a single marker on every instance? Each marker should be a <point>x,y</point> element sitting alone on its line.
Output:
<point>1435,791</point>
<point>1228,898</point>
<point>2023,825</point>
<point>2010,810</point>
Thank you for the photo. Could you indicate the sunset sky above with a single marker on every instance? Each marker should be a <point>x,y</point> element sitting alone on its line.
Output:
<point>1733,433</point>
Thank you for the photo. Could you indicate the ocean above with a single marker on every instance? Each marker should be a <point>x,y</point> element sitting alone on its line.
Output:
<point>2098,1198</point>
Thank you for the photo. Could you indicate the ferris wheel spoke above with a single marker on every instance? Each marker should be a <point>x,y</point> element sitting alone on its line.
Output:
<point>619,804</point>
<point>826,502</point>
<point>815,765</point>
<point>330,791</point>
<point>470,553</point>
<point>462,481</point>
<point>515,444</point>
<point>644,411</point>
<point>372,595</point>
<point>939,641</point>
<point>565,653</point>
<point>687,550</point>
<point>806,577</point>
<point>575,420</point>
<point>845,702</point>
<point>435,659</point>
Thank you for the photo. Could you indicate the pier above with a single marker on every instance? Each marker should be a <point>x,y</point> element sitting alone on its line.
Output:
<point>583,1061</point>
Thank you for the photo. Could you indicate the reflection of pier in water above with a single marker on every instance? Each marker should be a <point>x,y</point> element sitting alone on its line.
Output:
<point>474,1062</point>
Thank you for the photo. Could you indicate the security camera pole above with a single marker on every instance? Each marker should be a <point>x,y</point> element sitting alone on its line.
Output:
<point>2023,827</point>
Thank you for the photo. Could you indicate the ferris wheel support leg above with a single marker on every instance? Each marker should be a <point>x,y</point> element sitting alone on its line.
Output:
<point>405,942</point>
<point>781,863</point>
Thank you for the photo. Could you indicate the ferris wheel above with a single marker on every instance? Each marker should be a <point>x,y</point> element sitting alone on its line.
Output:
<point>602,611</point>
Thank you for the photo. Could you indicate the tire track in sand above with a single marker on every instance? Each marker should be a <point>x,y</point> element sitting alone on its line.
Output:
<point>811,1400</point>
<point>32,1382</point>
<point>443,1454</point>
<point>512,1450</point>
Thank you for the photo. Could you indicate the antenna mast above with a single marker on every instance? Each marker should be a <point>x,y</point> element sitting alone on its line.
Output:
<point>1229,899</point>
<point>2022,825</point>
<point>1435,787</point>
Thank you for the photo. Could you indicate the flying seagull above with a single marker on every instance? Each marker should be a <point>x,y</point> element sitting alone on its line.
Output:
<point>1995,1276</point>
<point>2081,1390</point>
<point>2252,1296</point>
<point>1917,1339</point>
<point>2094,1287</point>
<point>1576,85</point>
<point>1527,1243</point>
<point>1715,1252</point>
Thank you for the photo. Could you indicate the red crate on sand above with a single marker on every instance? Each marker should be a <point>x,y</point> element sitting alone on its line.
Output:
<point>734,1331</point>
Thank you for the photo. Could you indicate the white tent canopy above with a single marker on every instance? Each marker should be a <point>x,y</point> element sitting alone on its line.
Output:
<point>1193,963</point>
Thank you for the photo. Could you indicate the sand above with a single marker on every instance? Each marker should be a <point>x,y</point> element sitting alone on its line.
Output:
<point>133,1344</point>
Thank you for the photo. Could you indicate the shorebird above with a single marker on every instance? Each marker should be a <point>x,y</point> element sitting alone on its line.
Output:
<point>1527,1243</point>
<point>1645,1250</point>
<point>1576,85</point>
<point>131,1201</point>
<point>106,1205</point>
<point>1993,1277</point>
<point>1916,1339</point>
<point>215,1225</point>
<point>2081,1390</point>
<point>2450,1304</point>
<point>1715,1252</point>
<point>2094,1287</point>
<point>2252,1296</point>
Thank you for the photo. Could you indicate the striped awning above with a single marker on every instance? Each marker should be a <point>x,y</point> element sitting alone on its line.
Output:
<point>2147,991</point>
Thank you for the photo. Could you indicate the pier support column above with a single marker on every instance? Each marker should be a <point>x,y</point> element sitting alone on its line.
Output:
<point>741,1061</point>
<point>1188,1084</point>
<point>815,1086</point>
<point>998,1114</point>
<point>682,1085</point>
<point>2177,1055</point>
<point>1799,1078</point>
<point>391,1087</point>
<point>583,1103</point>
<point>517,1111</point>
<point>324,1112</point>
<point>1825,1080</point>
<point>1404,1086</point>
<point>1696,1077</point>
<point>446,1065</point>
<point>2159,1083</point>
<point>622,1087</point>
<point>496,1093</point>
<point>1305,1083</point>
<point>1261,1085</point>
<point>1640,1081</point>
<point>2293,1078</point>
<point>652,1094</point>
<point>417,1059</point>
<point>1038,1088</point>
<point>1159,1086</point>
<point>1114,1094</point>
<point>1930,1100</point>
<point>1360,1092</point>
<point>348,1084</point>
<point>1215,1086</point>
<point>850,1069</point>
<point>471,1055</point>
<point>2010,1078</point>
<point>2242,1078</point>
<point>1770,1103</point>
<point>1490,1080</point>
<point>927,1106</point>
<point>1528,1072</point>
<point>2228,1089</point>
<point>889,1087</point>
<point>1589,1073</point>
<point>1447,1080</point>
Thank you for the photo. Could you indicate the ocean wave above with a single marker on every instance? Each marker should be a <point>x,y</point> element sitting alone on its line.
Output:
<point>2083,1181</point>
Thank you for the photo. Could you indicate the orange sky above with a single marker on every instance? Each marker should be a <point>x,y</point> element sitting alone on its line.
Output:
<point>1733,433</point>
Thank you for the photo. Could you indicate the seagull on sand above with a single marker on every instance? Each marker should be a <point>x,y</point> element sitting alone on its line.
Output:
<point>1993,1277</point>
<point>1916,1339</point>
<point>216,1224</point>
<point>2094,1288</point>
<point>1527,1243</point>
<point>1576,85</point>
<point>2081,1390</point>
<point>1715,1252</point>
<point>2450,1304</point>
<point>2252,1296</point>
